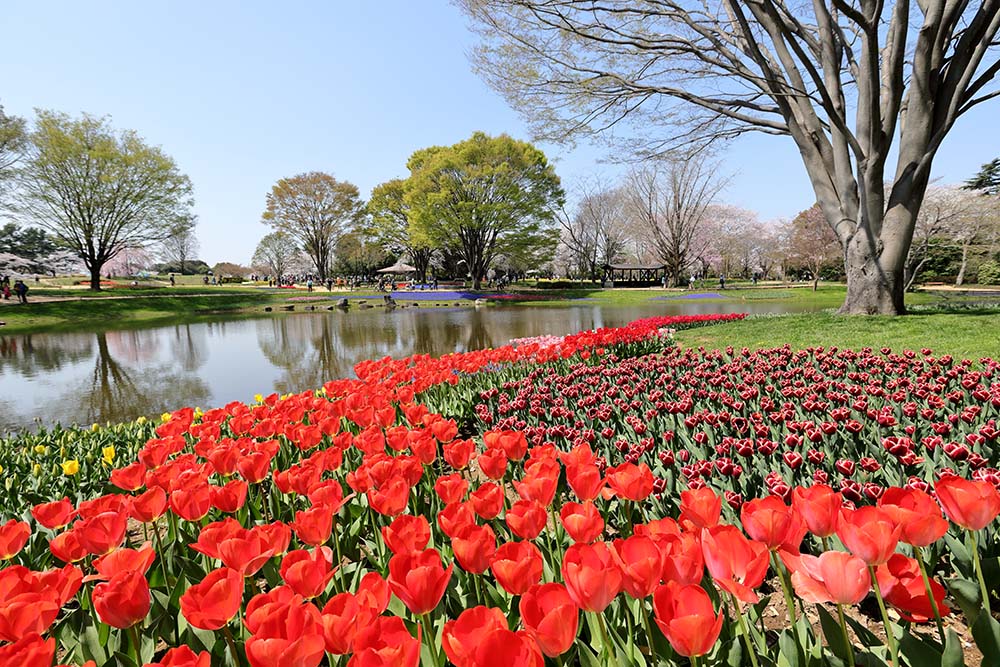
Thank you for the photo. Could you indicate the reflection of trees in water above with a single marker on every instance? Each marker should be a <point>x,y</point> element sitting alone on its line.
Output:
<point>31,354</point>
<point>116,392</point>
<point>188,345</point>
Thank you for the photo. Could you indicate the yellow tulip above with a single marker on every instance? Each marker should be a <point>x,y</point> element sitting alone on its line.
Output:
<point>140,420</point>
<point>41,449</point>
<point>94,428</point>
<point>70,467</point>
<point>165,417</point>
<point>108,454</point>
<point>258,398</point>
<point>198,412</point>
<point>36,470</point>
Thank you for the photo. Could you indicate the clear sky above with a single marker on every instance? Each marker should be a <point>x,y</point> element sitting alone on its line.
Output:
<point>244,93</point>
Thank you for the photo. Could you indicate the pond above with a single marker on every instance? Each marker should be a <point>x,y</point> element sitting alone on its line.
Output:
<point>107,376</point>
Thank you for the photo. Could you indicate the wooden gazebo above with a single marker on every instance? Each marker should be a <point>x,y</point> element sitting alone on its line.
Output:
<point>634,275</point>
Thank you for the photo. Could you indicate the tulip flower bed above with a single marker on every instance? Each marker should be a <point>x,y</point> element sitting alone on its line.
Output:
<point>360,526</point>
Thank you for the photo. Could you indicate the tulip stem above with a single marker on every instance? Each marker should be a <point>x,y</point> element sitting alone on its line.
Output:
<point>930,593</point>
<point>649,626</point>
<point>745,630</point>
<point>789,601</point>
<point>979,572</point>
<point>133,634</point>
<point>612,656</point>
<point>429,635</point>
<point>890,638</point>
<point>847,638</point>
<point>228,634</point>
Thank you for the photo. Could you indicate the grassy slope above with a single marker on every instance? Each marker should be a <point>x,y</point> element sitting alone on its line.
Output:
<point>972,334</point>
<point>136,310</point>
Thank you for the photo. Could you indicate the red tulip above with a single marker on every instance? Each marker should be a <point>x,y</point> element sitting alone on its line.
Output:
<point>462,636</point>
<point>583,522</point>
<point>474,547</point>
<point>308,573</point>
<point>737,564</point>
<point>592,577</point>
<point>124,600</point>
<point>540,483</point>
<point>487,500</point>
<point>214,601</point>
<point>290,635</point>
<point>451,488</point>
<point>340,623</point>
<point>102,533</point>
<point>918,516</point>
<point>681,558</point>
<point>641,564</point>
<point>630,481</point>
<point>493,463</point>
<point>313,526</point>
<point>517,566</point>
<point>687,618</point>
<point>458,453</point>
<point>29,650</point>
<point>869,533</point>
<point>771,521</point>
<point>902,586</point>
<point>246,552</point>
<point>389,499</point>
<point>526,519</point>
<point>386,643</point>
<point>67,548</point>
<point>149,506</point>
<point>419,580</point>
<point>819,506</point>
<point>276,536</point>
<point>55,514</point>
<point>972,504</point>
<point>702,507</point>
<point>230,497</point>
<point>551,617</point>
<point>503,648</point>
<point>124,560</point>
<point>585,480</point>
<point>192,501</point>
<point>835,576</point>
<point>13,536</point>
<point>407,533</point>
<point>183,656</point>
<point>453,518</point>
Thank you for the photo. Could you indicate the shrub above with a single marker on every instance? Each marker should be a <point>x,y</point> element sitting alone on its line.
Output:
<point>989,273</point>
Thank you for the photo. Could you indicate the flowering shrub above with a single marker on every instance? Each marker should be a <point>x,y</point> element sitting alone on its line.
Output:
<point>355,525</point>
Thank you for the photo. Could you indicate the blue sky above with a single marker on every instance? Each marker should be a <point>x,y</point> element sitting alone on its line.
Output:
<point>242,94</point>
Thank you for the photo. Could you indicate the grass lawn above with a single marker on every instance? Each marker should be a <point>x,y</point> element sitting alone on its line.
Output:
<point>102,313</point>
<point>972,334</point>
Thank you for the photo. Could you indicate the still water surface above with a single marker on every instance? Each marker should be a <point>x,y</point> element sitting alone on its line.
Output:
<point>100,377</point>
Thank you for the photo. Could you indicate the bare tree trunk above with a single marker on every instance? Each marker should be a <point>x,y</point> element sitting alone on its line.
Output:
<point>872,287</point>
<point>95,278</point>
<point>960,278</point>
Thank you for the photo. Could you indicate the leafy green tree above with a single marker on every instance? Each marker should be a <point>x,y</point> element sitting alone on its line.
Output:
<point>357,256</point>
<point>12,142</point>
<point>987,181</point>
<point>316,210</point>
<point>98,190</point>
<point>27,242</point>
<point>485,196</point>
<point>389,223</point>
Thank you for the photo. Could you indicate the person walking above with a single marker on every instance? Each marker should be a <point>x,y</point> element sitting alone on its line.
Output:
<point>21,290</point>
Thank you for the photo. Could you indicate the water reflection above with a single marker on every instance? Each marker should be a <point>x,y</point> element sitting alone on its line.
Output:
<point>119,375</point>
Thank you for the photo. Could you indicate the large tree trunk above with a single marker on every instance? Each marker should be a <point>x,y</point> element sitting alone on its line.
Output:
<point>872,287</point>
<point>95,277</point>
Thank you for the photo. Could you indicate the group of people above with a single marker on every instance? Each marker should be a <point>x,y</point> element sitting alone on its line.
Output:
<point>20,289</point>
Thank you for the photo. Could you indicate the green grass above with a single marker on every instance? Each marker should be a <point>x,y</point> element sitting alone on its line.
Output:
<point>969,334</point>
<point>95,314</point>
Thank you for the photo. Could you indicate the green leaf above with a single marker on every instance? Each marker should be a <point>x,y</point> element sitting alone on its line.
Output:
<point>952,656</point>
<point>986,632</point>
<point>789,650</point>
<point>966,594</point>
<point>918,651</point>
<point>833,632</point>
